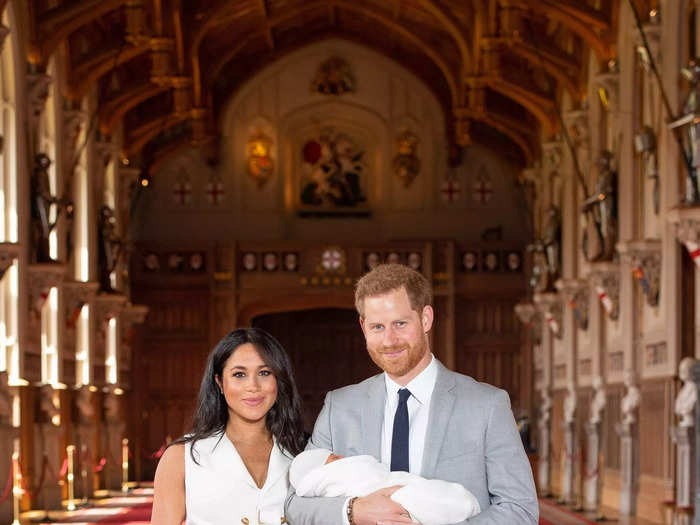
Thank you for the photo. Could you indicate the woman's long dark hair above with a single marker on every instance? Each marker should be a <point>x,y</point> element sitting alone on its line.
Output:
<point>283,420</point>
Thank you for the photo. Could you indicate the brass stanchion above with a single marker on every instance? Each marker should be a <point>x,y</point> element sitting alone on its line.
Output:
<point>17,490</point>
<point>83,473</point>
<point>70,477</point>
<point>125,465</point>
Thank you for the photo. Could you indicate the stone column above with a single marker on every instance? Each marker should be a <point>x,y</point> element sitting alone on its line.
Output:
<point>592,475</point>
<point>8,434</point>
<point>85,442</point>
<point>543,432</point>
<point>683,437</point>
<point>569,426</point>
<point>48,454</point>
<point>629,446</point>
<point>114,419</point>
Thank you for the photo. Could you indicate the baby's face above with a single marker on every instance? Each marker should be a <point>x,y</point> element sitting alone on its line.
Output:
<point>332,458</point>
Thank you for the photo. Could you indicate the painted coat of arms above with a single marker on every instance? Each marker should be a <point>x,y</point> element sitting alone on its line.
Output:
<point>333,170</point>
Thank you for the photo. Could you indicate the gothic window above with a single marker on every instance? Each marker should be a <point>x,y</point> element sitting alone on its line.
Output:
<point>49,338</point>
<point>9,285</point>
<point>82,350</point>
<point>111,351</point>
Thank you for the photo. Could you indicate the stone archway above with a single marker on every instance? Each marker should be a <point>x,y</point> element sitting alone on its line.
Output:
<point>327,349</point>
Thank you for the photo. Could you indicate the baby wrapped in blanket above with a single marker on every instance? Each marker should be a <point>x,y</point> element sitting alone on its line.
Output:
<point>318,472</point>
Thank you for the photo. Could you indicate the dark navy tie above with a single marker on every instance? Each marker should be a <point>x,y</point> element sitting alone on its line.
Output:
<point>399,438</point>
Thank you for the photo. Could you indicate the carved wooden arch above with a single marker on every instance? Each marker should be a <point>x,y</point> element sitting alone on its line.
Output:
<point>89,71</point>
<point>542,109</point>
<point>59,23</point>
<point>555,70</point>
<point>570,18</point>
<point>432,54</point>
<point>112,112</point>
<point>166,152</point>
<point>296,303</point>
<point>218,17</point>
<point>150,130</point>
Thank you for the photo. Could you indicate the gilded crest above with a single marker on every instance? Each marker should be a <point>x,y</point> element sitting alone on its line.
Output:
<point>260,163</point>
<point>406,161</point>
<point>334,77</point>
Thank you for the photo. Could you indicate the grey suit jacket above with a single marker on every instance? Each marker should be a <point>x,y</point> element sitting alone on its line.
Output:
<point>471,439</point>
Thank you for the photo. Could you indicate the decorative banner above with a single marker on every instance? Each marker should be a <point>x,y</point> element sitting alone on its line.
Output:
<point>215,191</point>
<point>694,251</point>
<point>334,77</point>
<point>182,191</point>
<point>333,171</point>
<point>605,300</point>
<point>450,190</point>
<point>483,189</point>
<point>260,163</point>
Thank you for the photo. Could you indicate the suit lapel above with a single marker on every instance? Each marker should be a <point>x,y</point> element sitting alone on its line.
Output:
<point>441,405</point>
<point>373,417</point>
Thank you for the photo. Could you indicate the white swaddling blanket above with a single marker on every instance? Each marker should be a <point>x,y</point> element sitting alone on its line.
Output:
<point>428,501</point>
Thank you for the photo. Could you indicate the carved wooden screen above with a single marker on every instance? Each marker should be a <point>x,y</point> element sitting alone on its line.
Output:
<point>327,350</point>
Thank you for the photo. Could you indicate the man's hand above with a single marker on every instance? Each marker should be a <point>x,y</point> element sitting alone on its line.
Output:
<point>378,507</point>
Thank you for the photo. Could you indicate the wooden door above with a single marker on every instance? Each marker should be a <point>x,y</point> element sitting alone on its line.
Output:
<point>327,350</point>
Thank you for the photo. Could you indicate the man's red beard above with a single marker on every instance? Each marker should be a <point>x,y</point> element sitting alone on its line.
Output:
<point>402,364</point>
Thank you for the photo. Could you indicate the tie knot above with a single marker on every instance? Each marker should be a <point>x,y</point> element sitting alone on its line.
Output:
<point>404,394</point>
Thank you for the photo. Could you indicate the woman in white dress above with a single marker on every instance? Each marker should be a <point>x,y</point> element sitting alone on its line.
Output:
<point>233,466</point>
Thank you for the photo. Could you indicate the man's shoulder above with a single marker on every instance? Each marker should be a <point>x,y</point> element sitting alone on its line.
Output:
<point>351,392</point>
<point>466,387</point>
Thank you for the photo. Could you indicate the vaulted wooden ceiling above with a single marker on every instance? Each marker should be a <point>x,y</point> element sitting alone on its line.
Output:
<point>164,68</point>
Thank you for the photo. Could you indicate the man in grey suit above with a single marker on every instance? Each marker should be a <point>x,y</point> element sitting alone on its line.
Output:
<point>418,416</point>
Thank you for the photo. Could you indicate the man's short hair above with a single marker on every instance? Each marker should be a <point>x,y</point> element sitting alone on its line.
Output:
<point>386,278</point>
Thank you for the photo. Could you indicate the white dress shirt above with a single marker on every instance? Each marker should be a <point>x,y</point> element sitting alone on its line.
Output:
<point>421,388</point>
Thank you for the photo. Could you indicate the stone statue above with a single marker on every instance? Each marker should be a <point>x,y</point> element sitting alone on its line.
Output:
<point>688,395</point>
<point>598,401</point>
<point>600,213</point>
<point>552,242</point>
<point>630,403</point>
<point>83,401</point>
<point>49,410</point>
<point>109,246</point>
<point>570,404</point>
<point>5,399</point>
<point>539,276</point>
<point>692,131</point>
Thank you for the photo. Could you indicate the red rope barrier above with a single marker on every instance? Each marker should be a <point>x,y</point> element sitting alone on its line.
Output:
<point>101,465</point>
<point>8,486</point>
<point>40,485</point>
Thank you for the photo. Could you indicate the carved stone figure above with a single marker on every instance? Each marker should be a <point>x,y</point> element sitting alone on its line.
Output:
<point>598,401</point>
<point>570,404</point>
<point>42,199</point>
<point>49,411</point>
<point>600,213</point>
<point>692,131</point>
<point>539,276</point>
<point>5,399</point>
<point>109,246</point>
<point>688,395</point>
<point>630,403</point>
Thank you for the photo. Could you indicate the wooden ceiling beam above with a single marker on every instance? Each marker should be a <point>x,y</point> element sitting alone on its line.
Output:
<point>543,61</point>
<point>540,106</point>
<point>581,11</point>
<point>112,111</point>
<point>267,30</point>
<point>139,137</point>
<point>88,71</point>
<point>584,30</point>
<point>57,24</point>
<point>434,55</point>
